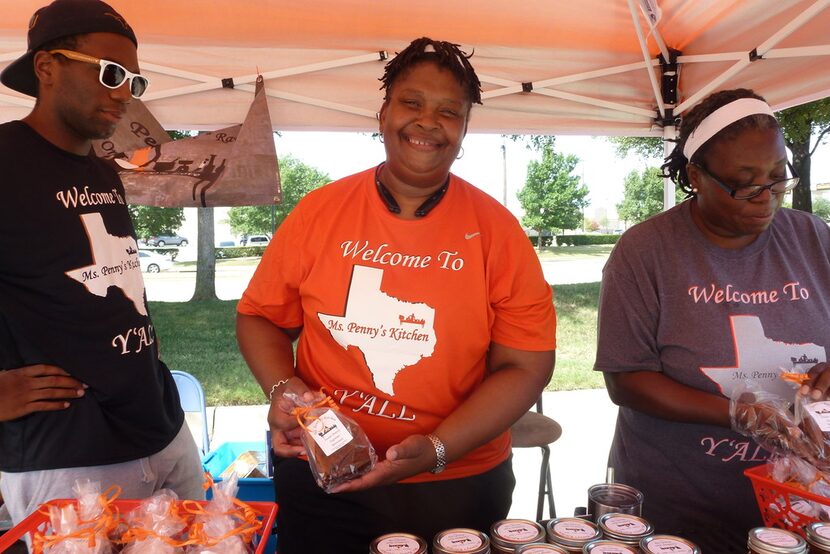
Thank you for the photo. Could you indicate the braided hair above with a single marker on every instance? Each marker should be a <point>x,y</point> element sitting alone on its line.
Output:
<point>445,55</point>
<point>675,163</point>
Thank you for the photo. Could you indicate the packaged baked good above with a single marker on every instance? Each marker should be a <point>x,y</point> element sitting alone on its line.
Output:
<point>337,447</point>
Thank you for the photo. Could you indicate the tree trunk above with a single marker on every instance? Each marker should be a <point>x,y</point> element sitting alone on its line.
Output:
<point>802,198</point>
<point>539,240</point>
<point>205,258</point>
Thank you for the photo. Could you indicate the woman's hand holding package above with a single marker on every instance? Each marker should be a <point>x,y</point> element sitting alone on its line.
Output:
<point>414,455</point>
<point>286,433</point>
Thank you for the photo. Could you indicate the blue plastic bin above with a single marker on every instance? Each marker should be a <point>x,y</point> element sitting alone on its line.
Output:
<point>250,488</point>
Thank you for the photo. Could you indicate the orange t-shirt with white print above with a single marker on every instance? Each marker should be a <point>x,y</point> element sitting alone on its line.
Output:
<point>398,315</point>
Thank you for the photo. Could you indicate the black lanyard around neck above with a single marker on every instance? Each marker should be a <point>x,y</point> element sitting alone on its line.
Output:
<point>392,204</point>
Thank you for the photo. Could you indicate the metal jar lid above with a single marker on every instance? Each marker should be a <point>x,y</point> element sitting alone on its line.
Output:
<point>540,548</point>
<point>510,533</point>
<point>400,543</point>
<point>468,541</point>
<point>608,547</point>
<point>626,528</point>
<point>769,540</point>
<point>657,544</point>
<point>818,535</point>
<point>572,532</point>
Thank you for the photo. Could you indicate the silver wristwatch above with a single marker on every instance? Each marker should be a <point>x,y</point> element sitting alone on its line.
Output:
<point>440,454</point>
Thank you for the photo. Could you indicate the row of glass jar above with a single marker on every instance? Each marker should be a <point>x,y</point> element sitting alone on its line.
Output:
<point>612,534</point>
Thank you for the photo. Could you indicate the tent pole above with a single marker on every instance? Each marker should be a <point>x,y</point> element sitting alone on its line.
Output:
<point>647,57</point>
<point>669,134</point>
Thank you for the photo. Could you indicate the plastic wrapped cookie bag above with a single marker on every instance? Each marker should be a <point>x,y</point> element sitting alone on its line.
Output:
<point>224,525</point>
<point>337,447</point>
<point>156,526</point>
<point>814,420</point>
<point>81,529</point>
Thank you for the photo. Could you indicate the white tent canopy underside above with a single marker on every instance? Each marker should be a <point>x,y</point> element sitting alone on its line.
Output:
<point>547,66</point>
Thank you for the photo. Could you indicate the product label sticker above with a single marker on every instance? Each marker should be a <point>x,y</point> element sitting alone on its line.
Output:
<point>329,433</point>
<point>398,545</point>
<point>659,546</point>
<point>777,538</point>
<point>574,529</point>
<point>460,542</point>
<point>626,525</point>
<point>517,531</point>
<point>823,531</point>
<point>820,412</point>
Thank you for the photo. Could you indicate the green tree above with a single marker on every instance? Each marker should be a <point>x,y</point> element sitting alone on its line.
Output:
<point>800,124</point>
<point>552,198</point>
<point>296,180</point>
<point>821,208</point>
<point>643,195</point>
<point>645,147</point>
<point>805,127</point>
<point>152,220</point>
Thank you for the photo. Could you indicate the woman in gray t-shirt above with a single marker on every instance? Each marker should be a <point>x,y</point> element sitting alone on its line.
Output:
<point>723,288</point>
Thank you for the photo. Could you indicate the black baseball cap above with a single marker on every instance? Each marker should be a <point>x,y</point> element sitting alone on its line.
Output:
<point>61,18</point>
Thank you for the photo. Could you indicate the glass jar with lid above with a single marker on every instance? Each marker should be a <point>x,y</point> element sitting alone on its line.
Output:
<point>609,547</point>
<point>398,543</point>
<point>507,534</point>
<point>461,540</point>
<point>658,544</point>
<point>572,533</point>
<point>818,537</point>
<point>624,528</point>
<point>769,540</point>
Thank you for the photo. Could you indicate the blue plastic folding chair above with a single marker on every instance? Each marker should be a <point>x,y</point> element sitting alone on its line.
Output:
<point>192,399</point>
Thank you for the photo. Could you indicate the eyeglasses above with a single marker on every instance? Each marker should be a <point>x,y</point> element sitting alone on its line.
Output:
<point>112,75</point>
<point>751,191</point>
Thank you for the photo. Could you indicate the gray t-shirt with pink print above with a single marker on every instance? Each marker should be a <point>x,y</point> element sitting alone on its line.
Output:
<point>709,318</point>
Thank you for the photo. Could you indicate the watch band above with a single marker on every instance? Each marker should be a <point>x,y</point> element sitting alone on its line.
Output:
<point>440,454</point>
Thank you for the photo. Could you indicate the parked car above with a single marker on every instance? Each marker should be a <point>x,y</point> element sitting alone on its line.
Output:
<point>225,244</point>
<point>152,262</point>
<point>167,240</point>
<point>257,240</point>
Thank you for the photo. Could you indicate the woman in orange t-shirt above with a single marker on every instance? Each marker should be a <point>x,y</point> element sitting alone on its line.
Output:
<point>420,308</point>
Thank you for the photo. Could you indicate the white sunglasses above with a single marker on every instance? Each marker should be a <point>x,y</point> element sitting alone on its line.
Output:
<point>112,74</point>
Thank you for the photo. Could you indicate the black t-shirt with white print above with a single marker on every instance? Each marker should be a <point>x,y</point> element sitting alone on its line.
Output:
<point>72,295</point>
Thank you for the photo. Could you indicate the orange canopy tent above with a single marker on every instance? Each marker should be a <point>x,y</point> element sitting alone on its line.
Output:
<point>547,66</point>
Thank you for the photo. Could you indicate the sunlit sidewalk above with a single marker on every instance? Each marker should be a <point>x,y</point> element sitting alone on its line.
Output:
<point>578,458</point>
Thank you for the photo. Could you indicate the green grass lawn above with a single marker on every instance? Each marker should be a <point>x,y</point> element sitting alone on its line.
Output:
<point>199,337</point>
<point>575,252</point>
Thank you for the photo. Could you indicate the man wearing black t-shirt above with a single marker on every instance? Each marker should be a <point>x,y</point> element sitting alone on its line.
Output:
<point>83,392</point>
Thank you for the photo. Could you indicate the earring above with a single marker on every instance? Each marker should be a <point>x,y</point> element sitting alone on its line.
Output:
<point>460,155</point>
<point>380,137</point>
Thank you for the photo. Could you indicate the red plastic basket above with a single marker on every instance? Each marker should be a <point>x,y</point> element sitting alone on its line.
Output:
<point>266,513</point>
<point>777,500</point>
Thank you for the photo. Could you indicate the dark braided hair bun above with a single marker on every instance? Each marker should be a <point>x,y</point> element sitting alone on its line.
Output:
<point>675,164</point>
<point>445,55</point>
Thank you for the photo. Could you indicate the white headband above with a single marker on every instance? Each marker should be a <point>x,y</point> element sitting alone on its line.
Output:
<point>713,123</point>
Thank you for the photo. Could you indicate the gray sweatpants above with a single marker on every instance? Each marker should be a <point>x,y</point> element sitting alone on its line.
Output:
<point>176,467</point>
